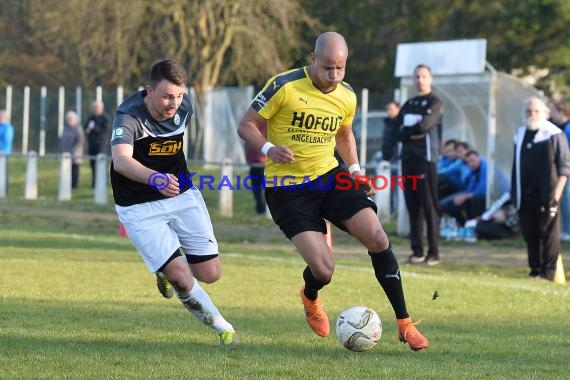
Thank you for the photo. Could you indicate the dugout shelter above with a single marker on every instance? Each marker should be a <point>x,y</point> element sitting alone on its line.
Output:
<point>481,105</point>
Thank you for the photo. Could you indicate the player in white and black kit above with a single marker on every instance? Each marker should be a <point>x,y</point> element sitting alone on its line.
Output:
<point>154,197</point>
<point>420,119</point>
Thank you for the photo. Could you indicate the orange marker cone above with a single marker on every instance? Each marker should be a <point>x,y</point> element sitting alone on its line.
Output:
<point>559,275</point>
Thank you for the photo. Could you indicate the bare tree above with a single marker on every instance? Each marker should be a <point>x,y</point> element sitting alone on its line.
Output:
<point>91,38</point>
<point>239,40</point>
<point>109,42</point>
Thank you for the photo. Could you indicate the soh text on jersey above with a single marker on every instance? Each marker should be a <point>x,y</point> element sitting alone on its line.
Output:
<point>167,148</point>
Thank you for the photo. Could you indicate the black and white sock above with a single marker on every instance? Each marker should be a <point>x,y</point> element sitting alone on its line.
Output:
<point>387,273</point>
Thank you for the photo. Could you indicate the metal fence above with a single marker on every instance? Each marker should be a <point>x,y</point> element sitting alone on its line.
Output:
<point>381,180</point>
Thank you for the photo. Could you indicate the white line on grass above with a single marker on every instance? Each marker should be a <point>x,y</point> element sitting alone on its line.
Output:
<point>541,287</point>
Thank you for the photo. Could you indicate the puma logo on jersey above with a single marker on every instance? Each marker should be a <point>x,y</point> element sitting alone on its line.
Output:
<point>306,101</point>
<point>167,148</point>
<point>395,275</point>
<point>261,100</point>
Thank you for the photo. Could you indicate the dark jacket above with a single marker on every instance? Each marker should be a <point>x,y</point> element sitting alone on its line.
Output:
<point>71,141</point>
<point>390,139</point>
<point>98,137</point>
<point>550,151</point>
<point>420,121</point>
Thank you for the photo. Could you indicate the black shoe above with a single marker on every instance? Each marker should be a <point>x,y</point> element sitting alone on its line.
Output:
<point>416,259</point>
<point>543,277</point>
<point>431,261</point>
<point>548,275</point>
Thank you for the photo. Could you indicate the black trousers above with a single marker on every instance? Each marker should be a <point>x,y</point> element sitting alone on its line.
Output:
<point>93,150</point>
<point>256,173</point>
<point>422,204</point>
<point>74,175</point>
<point>471,209</point>
<point>542,236</point>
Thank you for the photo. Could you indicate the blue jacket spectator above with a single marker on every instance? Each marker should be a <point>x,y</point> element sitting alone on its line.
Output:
<point>464,174</point>
<point>443,163</point>
<point>563,110</point>
<point>449,166</point>
<point>6,140</point>
<point>469,203</point>
<point>450,170</point>
<point>464,171</point>
<point>457,172</point>
<point>477,180</point>
<point>6,134</point>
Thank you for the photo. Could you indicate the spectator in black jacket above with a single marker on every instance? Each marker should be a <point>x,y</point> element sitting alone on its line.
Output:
<point>420,133</point>
<point>541,166</point>
<point>391,129</point>
<point>97,130</point>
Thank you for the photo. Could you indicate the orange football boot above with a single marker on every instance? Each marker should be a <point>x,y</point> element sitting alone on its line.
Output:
<point>408,333</point>
<point>316,316</point>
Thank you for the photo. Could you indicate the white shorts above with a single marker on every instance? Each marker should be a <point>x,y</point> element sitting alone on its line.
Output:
<point>157,229</point>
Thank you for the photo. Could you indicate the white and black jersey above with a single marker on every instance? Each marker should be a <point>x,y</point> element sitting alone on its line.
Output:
<point>157,145</point>
<point>421,115</point>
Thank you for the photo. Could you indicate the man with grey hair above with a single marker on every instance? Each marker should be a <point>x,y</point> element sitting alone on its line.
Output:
<point>541,165</point>
<point>71,141</point>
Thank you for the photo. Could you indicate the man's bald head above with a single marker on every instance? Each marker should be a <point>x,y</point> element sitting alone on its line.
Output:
<point>331,42</point>
<point>328,61</point>
<point>98,107</point>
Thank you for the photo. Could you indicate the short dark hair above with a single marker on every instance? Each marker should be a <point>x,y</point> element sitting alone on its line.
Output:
<point>471,152</point>
<point>169,70</point>
<point>462,144</point>
<point>563,107</point>
<point>394,103</point>
<point>422,66</point>
<point>451,142</point>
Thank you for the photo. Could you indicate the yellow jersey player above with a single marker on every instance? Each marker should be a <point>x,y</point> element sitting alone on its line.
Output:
<point>309,111</point>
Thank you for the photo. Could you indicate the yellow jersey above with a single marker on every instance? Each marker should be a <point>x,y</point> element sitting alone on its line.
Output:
<point>305,120</point>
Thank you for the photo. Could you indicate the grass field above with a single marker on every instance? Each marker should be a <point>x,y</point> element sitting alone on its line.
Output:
<point>78,302</point>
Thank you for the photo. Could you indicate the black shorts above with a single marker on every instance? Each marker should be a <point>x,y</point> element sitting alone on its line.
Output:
<point>304,207</point>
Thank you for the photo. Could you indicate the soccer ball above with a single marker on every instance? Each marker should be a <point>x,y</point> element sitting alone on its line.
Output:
<point>358,328</point>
